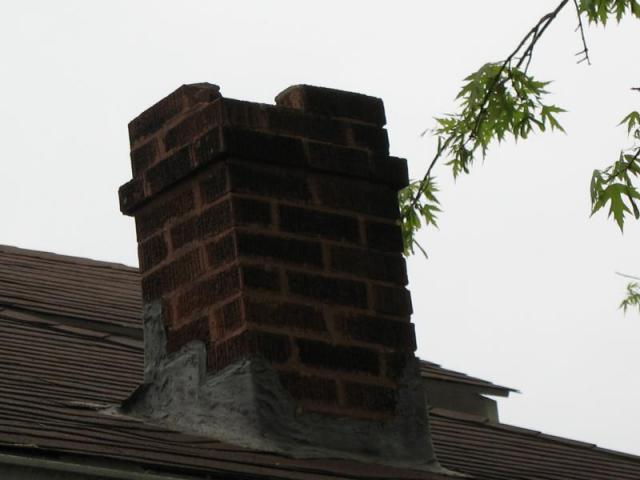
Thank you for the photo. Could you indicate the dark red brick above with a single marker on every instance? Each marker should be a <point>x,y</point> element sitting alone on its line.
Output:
<point>208,147</point>
<point>250,344</point>
<point>308,387</point>
<point>370,138</point>
<point>391,171</point>
<point>386,267</point>
<point>269,181</point>
<point>211,221</point>
<point>292,316</point>
<point>131,195</point>
<point>312,222</point>
<point>358,196</point>
<point>191,127</point>
<point>222,251</point>
<point>151,252</point>
<point>195,330</point>
<point>143,156</point>
<point>214,183</point>
<point>153,216</point>
<point>247,211</point>
<point>397,364</point>
<point>168,278</point>
<point>169,171</point>
<point>333,158</point>
<point>159,114</point>
<point>377,330</point>
<point>239,113</point>
<point>328,289</point>
<point>286,250</point>
<point>374,398</point>
<point>384,236</point>
<point>392,301</point>
<point>333,103</point>
<point>208,292</point>
<point>261,277</point>
<point>227,319</point>
<point>314,127</point>
<point>332,357</point>
<point>265,147</point>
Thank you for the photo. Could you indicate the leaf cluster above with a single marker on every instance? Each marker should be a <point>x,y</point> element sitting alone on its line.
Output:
<point>632,298</point>
<point>496,101</point>
<point>599,11</point>
<point>614,186</point>
<point>424,211</point>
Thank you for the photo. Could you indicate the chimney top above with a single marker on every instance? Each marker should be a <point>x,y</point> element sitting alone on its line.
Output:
<point>276,314</point>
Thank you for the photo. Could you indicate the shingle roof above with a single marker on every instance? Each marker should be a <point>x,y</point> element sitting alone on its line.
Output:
<point>62,360</point>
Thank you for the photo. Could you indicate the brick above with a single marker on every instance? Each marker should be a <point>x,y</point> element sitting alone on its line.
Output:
<point>221,251</point>
<point>209,292</point>
<point>370,138</point>
<point>159,114</point>
<point>265,147</point>
<point>273,182</point>
<point>334,103</point>
<point>283,249</point>
<point>392,301</point>
<point>358,196</point>
<point>168,278</point>
<point>384,236</point>
<point>313,222</point>
<point>377,330</point>
<point>392,171</point>
<point>211,221</point>
<point>208,147</point>
<point>196,330</point>
<point>332,357</point>
<point>239,113</point>
<point>336,159</point>
<point>151,252</point>
<point>397,364</point>
<point>328,289</point>
<point>153,216</point>
<point>313,127</point>
<point>227,319</point>
<point>144,156</point>
<point>386,267</point>
<point>247,211</point>
<point>194,125</point>
<point>169,171</point>
<point>374,398</point>
<point>261,277</point>
<point>214,183</point>
<point>288,315</point>
<point>131,195</point>
<point>250,344</point>
<point>309,387</point>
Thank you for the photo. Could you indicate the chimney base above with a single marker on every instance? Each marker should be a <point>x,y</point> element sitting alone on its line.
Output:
<point>245,404</point>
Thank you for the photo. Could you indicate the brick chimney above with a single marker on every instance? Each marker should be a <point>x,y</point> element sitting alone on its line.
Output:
<point>276,314</point>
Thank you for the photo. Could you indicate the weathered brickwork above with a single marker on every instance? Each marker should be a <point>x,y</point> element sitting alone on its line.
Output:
<point>272,231</point>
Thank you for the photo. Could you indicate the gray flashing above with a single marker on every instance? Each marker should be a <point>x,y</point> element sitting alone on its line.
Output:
<point>246,405</point>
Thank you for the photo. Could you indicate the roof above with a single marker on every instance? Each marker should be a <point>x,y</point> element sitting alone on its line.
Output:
<point>62,360</point>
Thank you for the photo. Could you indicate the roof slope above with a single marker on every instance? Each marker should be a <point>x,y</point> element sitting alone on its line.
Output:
<point>58,368</point>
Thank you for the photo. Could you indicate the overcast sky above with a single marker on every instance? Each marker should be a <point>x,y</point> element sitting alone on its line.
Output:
<point>520,285</point>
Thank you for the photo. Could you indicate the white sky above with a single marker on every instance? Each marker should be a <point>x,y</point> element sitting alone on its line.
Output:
<point>520,285</point>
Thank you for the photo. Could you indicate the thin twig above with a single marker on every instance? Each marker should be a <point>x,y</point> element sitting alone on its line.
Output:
<point>585,50</point>
<point>631,277</point>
